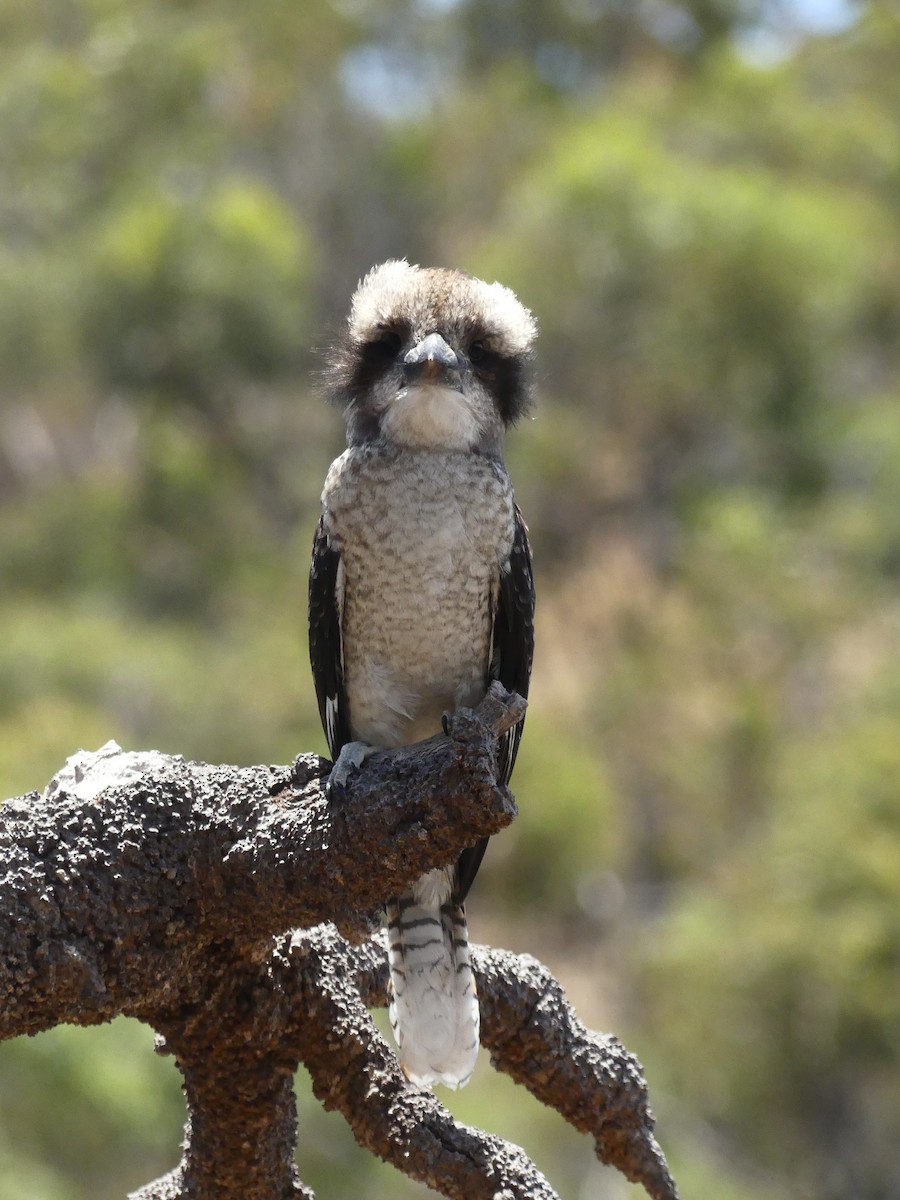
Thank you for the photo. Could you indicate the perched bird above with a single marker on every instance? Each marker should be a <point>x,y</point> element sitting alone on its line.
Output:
<point>421,590</point>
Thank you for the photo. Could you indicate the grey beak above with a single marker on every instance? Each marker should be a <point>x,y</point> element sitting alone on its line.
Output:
<point>432,361</point>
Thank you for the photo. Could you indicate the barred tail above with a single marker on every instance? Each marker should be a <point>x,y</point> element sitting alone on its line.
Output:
<point>434,1006</point>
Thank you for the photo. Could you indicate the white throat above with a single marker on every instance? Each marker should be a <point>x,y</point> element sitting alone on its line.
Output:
<point>431,416</point>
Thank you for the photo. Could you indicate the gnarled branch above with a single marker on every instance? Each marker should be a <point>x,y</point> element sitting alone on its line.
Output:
<point>145,885</point>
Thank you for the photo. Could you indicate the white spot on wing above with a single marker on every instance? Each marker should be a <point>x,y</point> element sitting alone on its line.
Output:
<point>331,716</point>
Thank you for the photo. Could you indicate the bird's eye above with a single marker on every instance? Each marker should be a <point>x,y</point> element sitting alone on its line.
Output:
<point>388,343</point>
<point>477,352</point>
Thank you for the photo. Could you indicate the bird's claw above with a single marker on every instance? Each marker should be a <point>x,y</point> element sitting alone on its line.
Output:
<point>335,789</point>
<point>350,759</point>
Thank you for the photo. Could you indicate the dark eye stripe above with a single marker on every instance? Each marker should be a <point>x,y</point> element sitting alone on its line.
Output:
<point>376,356</point>
<point>509,381</point>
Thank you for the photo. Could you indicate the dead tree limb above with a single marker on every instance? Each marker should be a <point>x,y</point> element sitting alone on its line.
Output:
<point>144,885</point>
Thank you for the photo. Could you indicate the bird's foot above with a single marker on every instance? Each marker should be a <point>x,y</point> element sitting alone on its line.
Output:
<point>350,759</point>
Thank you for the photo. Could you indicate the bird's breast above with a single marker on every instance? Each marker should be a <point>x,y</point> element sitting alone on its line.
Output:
<point>421,537</point>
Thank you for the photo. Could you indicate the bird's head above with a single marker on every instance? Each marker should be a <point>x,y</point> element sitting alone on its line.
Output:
<point>432,359</point>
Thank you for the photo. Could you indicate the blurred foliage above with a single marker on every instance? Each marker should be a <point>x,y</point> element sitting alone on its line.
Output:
<point>708,851</point>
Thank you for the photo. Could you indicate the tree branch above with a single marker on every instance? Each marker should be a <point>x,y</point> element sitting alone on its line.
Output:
<point>145,885</point>
<point>533,1036</point>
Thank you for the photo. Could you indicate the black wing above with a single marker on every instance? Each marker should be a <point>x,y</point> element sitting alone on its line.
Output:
<point>511,659</point>
<point>325,645</point>
<point>513,641</point>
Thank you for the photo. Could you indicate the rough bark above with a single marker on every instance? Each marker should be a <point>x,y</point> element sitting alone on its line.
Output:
<point>144,885</point>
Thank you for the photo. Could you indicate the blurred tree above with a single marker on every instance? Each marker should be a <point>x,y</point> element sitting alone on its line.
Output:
<point>712,248</point>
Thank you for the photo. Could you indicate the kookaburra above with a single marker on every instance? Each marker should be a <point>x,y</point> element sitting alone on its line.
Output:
<point>421,589</point>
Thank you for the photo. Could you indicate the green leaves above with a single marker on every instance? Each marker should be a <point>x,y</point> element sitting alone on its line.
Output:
<point>194,292</point>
